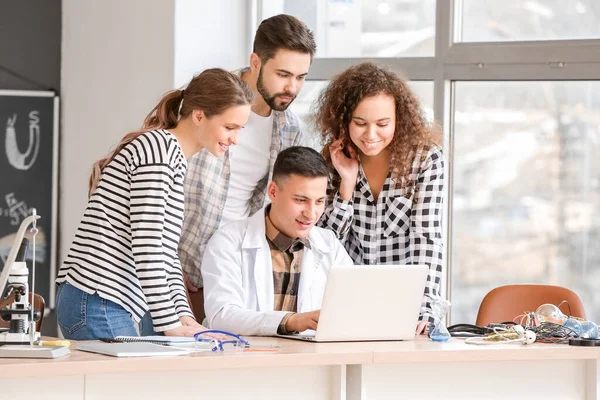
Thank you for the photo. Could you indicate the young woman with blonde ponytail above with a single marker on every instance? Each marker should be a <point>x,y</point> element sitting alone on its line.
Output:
<point>123,260</point>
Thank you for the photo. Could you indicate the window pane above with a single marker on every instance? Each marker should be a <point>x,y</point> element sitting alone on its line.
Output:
<point>364,28</point>
<point>424,91</point>
<point>526,200</point>
<point>311,89</point>
<point>510,20</point>
<point>302,107</point>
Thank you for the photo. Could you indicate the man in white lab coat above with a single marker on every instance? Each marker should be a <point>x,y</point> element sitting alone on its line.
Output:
<point>266,274</point>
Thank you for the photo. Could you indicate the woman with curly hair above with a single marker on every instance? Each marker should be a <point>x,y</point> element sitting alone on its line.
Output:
<point>386,193</point>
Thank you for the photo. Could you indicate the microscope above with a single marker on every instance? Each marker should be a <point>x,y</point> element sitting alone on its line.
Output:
<point>19,313</point>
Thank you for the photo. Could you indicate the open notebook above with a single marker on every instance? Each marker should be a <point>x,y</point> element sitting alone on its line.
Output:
<point>132,349</point>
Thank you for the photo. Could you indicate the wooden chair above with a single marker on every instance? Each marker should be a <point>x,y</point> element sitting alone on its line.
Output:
<point>504,303</point>
<point>38,304</point>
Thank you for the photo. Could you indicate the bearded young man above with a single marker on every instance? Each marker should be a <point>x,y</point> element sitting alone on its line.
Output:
<point>232,188</point>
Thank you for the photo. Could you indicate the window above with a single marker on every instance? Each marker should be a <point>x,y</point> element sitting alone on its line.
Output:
<point>424,91</point>
<point>511,20</point>
<point>302,107</point>
<point>526,199</point>
<point>364,28</point>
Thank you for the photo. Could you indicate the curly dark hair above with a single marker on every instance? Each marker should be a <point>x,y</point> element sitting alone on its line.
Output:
<point>336,103</point>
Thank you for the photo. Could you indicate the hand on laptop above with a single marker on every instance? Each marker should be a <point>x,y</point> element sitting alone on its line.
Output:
<point>422,328</point>
<point>302,321</point>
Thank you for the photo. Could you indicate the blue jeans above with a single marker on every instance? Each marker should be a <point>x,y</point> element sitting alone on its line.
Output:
<point>83,316</point>
<point>147,327</point>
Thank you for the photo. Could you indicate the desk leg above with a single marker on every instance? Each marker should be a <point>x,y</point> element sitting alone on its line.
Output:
<point>592,391</point>
<point>354,383</point>
<point>338,382</point>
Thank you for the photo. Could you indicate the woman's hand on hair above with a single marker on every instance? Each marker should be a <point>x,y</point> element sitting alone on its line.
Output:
<point>346,165</point>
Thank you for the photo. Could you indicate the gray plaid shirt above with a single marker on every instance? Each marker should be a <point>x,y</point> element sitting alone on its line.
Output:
<point>206,186</point>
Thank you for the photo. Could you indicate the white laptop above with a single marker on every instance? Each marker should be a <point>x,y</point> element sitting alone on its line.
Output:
<point>369,302</point>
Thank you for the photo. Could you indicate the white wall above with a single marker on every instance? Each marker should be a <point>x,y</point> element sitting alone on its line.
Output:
<point>211,33</point>
<point>118,58</point>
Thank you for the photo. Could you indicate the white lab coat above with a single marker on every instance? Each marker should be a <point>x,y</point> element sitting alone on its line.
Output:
<point>238,276</point>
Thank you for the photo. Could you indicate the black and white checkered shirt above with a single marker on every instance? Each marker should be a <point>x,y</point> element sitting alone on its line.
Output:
<point>404,226</point>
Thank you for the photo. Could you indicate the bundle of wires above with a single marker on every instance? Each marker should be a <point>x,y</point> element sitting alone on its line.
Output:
<point>469,330</point>
<point>545,332</point>
<point>548,332</point>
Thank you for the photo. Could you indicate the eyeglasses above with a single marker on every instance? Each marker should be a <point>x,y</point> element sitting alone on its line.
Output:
<point>206,340</point>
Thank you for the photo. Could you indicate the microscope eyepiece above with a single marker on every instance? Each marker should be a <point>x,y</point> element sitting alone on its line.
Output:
<point>22,250</point>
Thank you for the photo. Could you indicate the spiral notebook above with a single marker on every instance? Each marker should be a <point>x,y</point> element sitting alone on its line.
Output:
<point>133,349</point>
<point>163,340</point>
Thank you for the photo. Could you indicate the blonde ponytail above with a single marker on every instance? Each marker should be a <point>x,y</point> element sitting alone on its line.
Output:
<point>163,116</point>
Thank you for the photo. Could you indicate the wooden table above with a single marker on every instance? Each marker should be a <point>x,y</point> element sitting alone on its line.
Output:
<point>419,369</point>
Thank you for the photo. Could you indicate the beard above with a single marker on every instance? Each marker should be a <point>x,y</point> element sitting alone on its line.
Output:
<point>271,99</point>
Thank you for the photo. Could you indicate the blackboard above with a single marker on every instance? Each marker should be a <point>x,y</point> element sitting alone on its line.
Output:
<point>29,178</point>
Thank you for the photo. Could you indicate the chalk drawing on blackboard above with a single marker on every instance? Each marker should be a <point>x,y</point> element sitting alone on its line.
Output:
<point>19,160</point>
<point>17,210</point>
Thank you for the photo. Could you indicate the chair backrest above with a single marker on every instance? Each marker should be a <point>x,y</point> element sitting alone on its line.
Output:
<point>196,300</point>
<point>38,304</point>
<point>504,303</point>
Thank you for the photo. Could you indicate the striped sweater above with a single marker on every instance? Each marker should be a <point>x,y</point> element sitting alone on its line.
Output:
<point>125,248</point>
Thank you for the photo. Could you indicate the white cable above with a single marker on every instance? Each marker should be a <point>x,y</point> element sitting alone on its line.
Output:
<point>32,329</point>
<point>482,341</point>
<point>525,337</point>
<point>515,329</point>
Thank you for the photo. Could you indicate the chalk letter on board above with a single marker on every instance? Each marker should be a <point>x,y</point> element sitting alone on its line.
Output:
<point>15,157</point>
